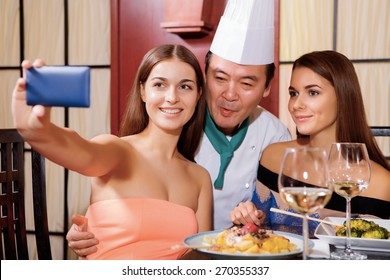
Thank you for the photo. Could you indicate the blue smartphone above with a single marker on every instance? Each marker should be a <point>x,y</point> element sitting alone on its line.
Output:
<point>62,86</point>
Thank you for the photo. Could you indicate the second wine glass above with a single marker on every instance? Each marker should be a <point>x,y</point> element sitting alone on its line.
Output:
<point>303,184</point>
<point>349,173</point>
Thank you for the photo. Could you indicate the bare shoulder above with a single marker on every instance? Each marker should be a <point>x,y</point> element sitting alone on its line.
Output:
<point>273,154</point>
<point>111,139</point>
<point>380,182</point>
<point>105,138</point>
<point>200,171</point>
<point>199,174</point>
<point>380,172</point>
<point>114,148</point>
<point>278,147</point>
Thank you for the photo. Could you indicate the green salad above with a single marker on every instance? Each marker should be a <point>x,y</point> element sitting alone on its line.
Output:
<point>364,229</point>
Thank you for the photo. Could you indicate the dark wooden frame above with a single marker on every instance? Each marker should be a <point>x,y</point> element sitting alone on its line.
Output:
<point>380,130</point>
<point>12,180</point>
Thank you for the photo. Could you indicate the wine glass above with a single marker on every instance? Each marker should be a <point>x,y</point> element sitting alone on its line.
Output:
<point>349,173</point>
<point>303,184</point>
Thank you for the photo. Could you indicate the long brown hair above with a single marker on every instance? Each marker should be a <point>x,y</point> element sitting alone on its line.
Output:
<point>135,118</point>
<point>351,121</point>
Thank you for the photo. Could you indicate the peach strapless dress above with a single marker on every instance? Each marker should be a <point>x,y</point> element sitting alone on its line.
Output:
<point>139,228</point>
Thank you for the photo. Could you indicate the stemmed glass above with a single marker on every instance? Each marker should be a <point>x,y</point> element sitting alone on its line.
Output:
<point>303,184</point>
<point>349,173</point>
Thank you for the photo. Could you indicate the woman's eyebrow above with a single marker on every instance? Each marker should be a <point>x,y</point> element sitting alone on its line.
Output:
<point>158,78</point>
<point>305,87</point>
<point>187,80</point>
<point>312,85</point>
<point>165,79</point>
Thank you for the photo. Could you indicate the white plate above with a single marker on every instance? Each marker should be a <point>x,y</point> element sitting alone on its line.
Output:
<point>198,240</point>
<point>327,233</point>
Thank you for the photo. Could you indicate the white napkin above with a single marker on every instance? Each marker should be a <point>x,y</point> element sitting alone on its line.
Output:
<point>320,249</point>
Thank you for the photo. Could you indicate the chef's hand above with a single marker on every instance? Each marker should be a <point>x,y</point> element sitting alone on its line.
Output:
<point>247,212</point>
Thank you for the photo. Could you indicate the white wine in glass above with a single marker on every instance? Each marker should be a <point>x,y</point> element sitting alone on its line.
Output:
<point>349,173</point>
<point>303,184</point>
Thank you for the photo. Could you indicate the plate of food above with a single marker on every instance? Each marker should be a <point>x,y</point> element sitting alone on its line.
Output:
<point>247,242</point>
<point>367,234</point>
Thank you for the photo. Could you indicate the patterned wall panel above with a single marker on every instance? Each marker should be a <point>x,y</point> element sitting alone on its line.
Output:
<point>7,83</point>
<point>44,30</point>
<point>365,32</point>
<point>305,26</point>
<point>9,33</point>
<point>89,32</point>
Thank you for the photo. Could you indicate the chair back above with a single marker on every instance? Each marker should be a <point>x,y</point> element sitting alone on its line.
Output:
<point>381,131</point>
<point>13,219</point>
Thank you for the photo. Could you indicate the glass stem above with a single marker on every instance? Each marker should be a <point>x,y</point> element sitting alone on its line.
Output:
<point>305,230</point>
<point>348,221</point>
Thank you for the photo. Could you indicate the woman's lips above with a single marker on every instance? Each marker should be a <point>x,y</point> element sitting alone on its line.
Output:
<point>171,110</point>
<point>302,118</point>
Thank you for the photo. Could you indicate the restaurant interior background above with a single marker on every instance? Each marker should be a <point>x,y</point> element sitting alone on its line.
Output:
<point>111,37</point>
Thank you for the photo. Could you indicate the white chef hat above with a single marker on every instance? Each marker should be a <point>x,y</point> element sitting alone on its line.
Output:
<point>245,33</point>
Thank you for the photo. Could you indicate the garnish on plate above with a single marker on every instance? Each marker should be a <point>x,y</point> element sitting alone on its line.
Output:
<point>364,229</point>
<point>249,239</point>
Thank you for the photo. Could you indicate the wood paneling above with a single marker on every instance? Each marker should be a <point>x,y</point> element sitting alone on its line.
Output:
<point>187,17</point>
<point>271,103</point>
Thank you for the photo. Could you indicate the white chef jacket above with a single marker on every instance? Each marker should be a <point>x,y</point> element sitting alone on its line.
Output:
<point>240,177</point>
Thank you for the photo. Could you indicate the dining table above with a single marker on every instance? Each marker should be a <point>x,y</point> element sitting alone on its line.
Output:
<point>371,254</point>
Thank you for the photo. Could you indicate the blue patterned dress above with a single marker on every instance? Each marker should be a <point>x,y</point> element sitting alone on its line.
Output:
<point>265,197</point>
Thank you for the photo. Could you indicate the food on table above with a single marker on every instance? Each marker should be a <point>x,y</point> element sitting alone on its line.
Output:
<point>249,228</point>
<point>364,229</point>
<point>249,239</point>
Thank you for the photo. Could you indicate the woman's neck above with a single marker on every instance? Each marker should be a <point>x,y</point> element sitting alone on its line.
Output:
<point>322,140</point>
<point>160,142</point>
